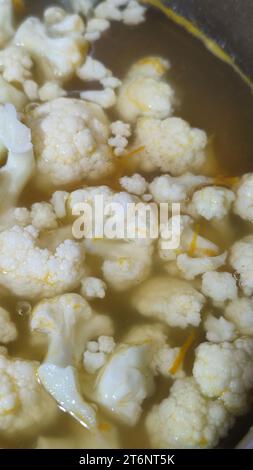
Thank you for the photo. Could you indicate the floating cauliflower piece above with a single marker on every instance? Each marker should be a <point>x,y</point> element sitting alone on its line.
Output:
<point>8,330</point>
<point>193,267</point>
<point>144,93</point>
<point>240,313</point>
<point>95,27</point>
<point>50,91</point>
<point>97,353</point>
<point>172,301</point>
<point>186,419</point>
<point>43,216</point>
<point>129,12</point>
<point>241,260</point>
<point>70,323</point>
<point>70,141</point>
<point>15,64</point>
<point>57,56</point>
<point>6,21</point>
<point>29,271</point>
<point>25,408</point>
<point>219,286</point>
<point>134,184</point>
<point>93,288</point>
<point>170,145</point>
<point>219,330</point>
<point>10,94</point>
<point>125,381</point>
<point>225,371</point>
<point>119,140</point>
<point>167,188</point>
<point>212,202</point>
<point>243,205</point>
<point>105,98</point>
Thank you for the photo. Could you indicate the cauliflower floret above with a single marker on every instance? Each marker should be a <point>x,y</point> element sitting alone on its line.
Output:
<point>10,94</point>
<point>15,64</point>
<point>70,141</point>
<point>219,329</point>
<point>134,184</point>
<point>193,267</point>
<point>144,93</point>
<point>6,21</point>
<point>93,288</point>
<point>119,141</point>
<point>243,205</point>
<point>170,300</point>
<point>219,286</point>
<point>186,419</point>
<point>167,188</point>
<point>24,405</point>
<point>56,55</point>
<point>43,216</point>
<point>97,353</point>
<point>128,11</point>
<point>29,271</point>
<point>170,145</point>
<point>212,202</point>
<point>50,91</point>
<point>240,313</point>
<point>105,98</point>
<point>125,381</point>
<point>225,371</point>
<point>8,330</point>
<point>241,260</point>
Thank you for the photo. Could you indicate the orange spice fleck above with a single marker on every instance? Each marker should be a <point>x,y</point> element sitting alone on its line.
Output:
<point>181,355</point>
<point>104,427</point>
<point>193,245</point>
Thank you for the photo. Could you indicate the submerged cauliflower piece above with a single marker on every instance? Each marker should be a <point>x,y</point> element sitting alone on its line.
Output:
<point>25,407</point>
<point>187,419</point>
<point>219,330</point>
<point>219,286</point>
<point>29,271</point>
<point>168,188</point>
<point>241,260</point>
<point>57,55</point>
<point>225,371</point>
<point>134,184</point>
<point>212,202</point>
<point>97,353</point>
<point>170,145</point>
<point>93,288</point>
<point>8,330</point>
<point>170,300</point>
<point>193,267</point>
<point>243,205</point>
<point>240,313</point>
<point>144,92</point>
<point>6,21</point>
<point>125,381</point>
<point>70,141</point>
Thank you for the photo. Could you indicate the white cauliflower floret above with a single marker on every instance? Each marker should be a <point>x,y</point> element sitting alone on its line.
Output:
<point>70,324</point>
<point>29,271</point>
<point>212,202</point>
<point>8,330</point>
<point>170,300</point>
<point>186,419</point>
<point>219,329</point>
<point>11,94</point>
<point>70,141</point>
<point>43,216</point>
<point>58,201</point>
<point>6,21</point>
<point>129,12</point>
<point>170,145</point>
<point>57,56</point>
<point>126,264</point>
<point>225,371</point>
<point>134,13</point>
<point>105,98</point>
<point>97,353</point>
<point>25,408</point>
<point>193,267</point>
<point>144,93</point>
<point>125,381</point>
<point>219,286</point>
<point>241,260</point>
<point>15,64</point>
<point>93,288</point>
<point>167,188</point>
<point>134,184</point>
<point>16,138</point>
<point>119,141</point>
<point>243,205</point>
<point>240,313</point>
<point>50,91</point>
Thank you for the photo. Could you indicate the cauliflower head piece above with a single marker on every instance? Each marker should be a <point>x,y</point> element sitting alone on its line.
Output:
<point>225,371</point>
<point>30,271</point>
<point>170,145</point>
<point>8,330</point>
<point>70,141</point>
<point>144,92</point>
<point>6,21</point>
<point>169,300</point>
<point>243,205</point>
<point>25,407</point>
<point>241,260</point>
<point>187,419</point>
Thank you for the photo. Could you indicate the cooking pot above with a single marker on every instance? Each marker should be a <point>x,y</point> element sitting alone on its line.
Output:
<point>230,24</point>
